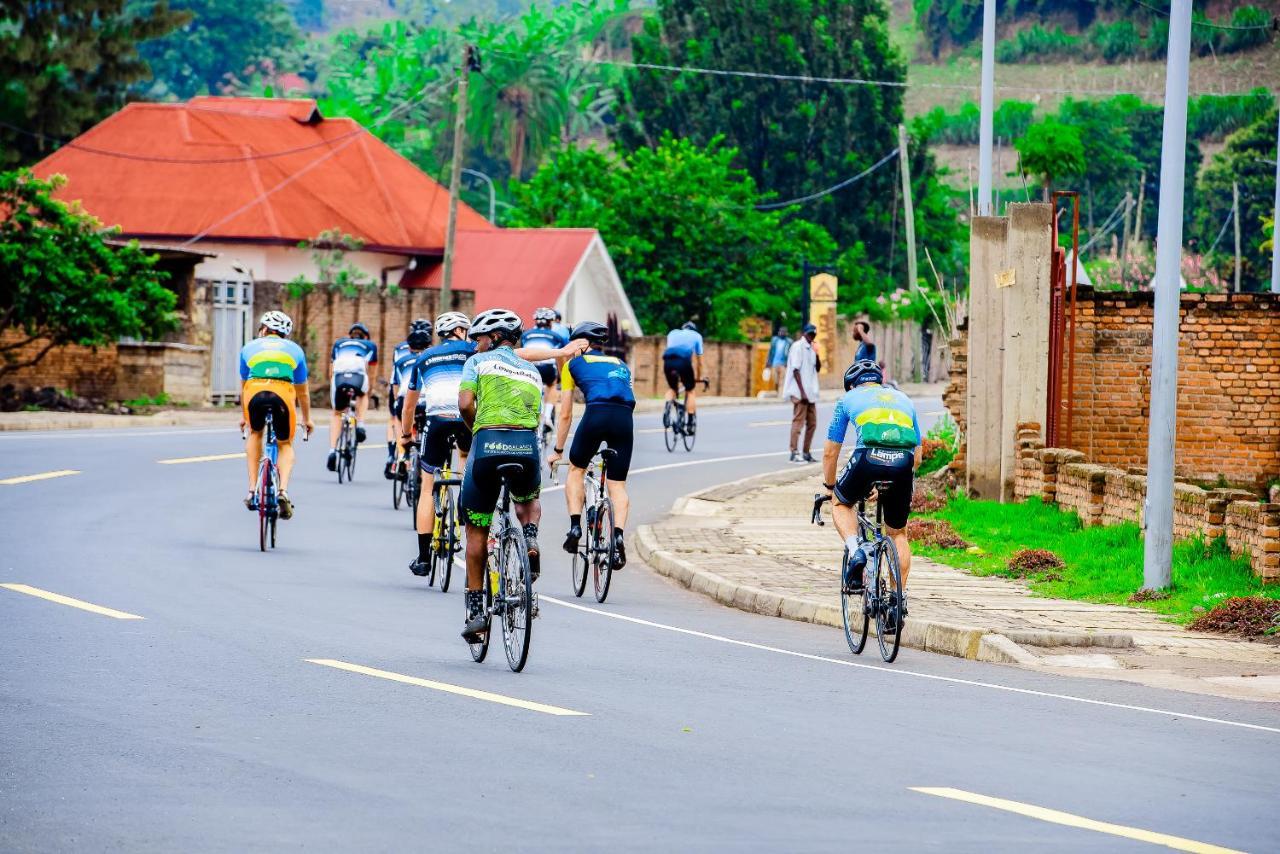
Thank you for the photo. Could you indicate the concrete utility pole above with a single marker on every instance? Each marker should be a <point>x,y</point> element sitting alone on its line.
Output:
<point>455,178</point>
<point>986,123</point>
<point>1275,228</point>
<point>908,209</point>
<point>1162,429</point>
<point>1235,221</point>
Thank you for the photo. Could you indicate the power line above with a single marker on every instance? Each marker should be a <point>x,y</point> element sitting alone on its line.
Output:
<point>1230,216</point>
<point>1210,24</point>
<point>833,188</point>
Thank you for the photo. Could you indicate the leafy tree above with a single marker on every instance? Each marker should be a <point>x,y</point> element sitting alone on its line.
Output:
<point>681,224</point>
<point>1049,150</point>
<point>62,283</point>
<point>334,273</point>
<point>221,38</point>
<point>67,64</point>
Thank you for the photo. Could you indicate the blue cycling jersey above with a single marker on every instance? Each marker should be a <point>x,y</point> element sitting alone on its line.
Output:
<point>403,365</point>
<point>437,374</point>
<point>684,343</point>
<point>882,417</point>
<point>603,379</point>
<point>273,358</point>
<point>541,338</point>
<point>353,354</point>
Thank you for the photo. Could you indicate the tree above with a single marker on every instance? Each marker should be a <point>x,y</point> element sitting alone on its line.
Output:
<point>681,224</point>
<point>67,64</point>
<point>62,283</point>
<point>793,137</point>
<point>1049,150</point>
<point>334,272</point>
<point>220,38</point>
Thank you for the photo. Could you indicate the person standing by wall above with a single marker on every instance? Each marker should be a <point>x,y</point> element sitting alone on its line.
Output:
<point>802,390</point>
<point>866,344</point>
<point>779,346</point>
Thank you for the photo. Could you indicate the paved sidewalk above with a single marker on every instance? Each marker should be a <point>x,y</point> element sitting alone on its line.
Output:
<point>749,544</point>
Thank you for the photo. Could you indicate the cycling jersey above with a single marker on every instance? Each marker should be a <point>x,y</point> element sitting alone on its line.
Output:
<point>353,354</point>
<point>401,368</point>
<point>541,338</point>
<point>273,358</point>
<point>882,418</point>
<point>603,379</point>
<point>683,342</point>
<point>508,389</point>
<point>563,335</point>
<point>437,374</point>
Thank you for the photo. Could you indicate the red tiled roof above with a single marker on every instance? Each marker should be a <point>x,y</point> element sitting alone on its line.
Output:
<point>516,268</point>
<point>178,170</point>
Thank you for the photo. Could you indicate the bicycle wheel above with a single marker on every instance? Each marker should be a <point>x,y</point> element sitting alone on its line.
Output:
<point>351,456</point>
<point>581,564</point>
<point>397,486</point>
<point>670,423</point>
<point>517,597</point>
<point>605,551</point>
<point>448,544</point>
<point>889,590</point>
<point>263,493</point>
<point>273,530</point>
<point>342,452</point>
<point>851,609</point>
<point>689,438</point>
<point>480,648</point>
<point>413,487</point>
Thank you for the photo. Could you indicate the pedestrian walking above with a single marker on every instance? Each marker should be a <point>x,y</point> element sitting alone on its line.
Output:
<point>802,389</point>
<point>779,347</point>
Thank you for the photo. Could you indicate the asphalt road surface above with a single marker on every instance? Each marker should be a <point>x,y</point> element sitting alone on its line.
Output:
<point>207,725</point>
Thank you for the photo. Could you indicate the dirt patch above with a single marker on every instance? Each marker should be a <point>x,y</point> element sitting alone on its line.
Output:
<point>1035,563</point>
<point>1250,616</point>
<point>934,532</point>
<point>929,494</point>
<point>1148,595</point>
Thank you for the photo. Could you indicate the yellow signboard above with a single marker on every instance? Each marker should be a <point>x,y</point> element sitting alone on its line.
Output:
<point>822,287</point>
<point>822,314</point>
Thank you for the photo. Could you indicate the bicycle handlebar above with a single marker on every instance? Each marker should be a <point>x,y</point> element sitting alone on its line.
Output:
<point>818,500</point>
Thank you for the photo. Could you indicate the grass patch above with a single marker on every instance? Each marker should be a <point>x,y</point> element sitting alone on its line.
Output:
<point>161,399</point>
<point>1101,564</point>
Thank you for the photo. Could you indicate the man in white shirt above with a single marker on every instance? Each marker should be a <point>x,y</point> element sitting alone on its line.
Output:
<point>802,389</point>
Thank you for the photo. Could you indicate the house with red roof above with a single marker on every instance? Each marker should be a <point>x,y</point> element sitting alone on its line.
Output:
<point>244,181</point>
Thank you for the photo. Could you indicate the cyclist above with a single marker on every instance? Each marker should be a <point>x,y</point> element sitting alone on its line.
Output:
<point>560,329</point>
<point>352,357</point>
<point>402,359</point>
<point>606,387</point>
<point>543,336</point>
<point>682,364</point>
<point>273,374</point>
<point>886,449</point>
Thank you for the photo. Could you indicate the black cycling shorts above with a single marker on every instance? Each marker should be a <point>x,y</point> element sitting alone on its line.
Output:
<point>869,466</point>
<point>397,406</point>
<point>262,403</point>
<point>547,370</point>
<point>347,386</point>
<point>608,423</point>
<point>678,370</point>
<point>436,446</point>
<point>493,447</point>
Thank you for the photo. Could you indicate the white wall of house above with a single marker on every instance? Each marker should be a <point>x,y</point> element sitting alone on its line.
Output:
<point>595,291</point>
<point>285,263</point>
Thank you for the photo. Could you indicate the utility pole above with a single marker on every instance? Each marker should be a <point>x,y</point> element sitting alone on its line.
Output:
<point>908,209</point>
<point>469,60</point>
<point>1142,200</point>
<point>1275,227</point>
<point>986,122</point>
<point>1235,220</point>
<point>1162,427</point>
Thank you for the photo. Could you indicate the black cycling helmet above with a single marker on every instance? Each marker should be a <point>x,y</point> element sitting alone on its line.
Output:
<point>596,333</point>
<point>865,371</point>
<point>419,338</point>
<point>690,325</point>
<point>420,323</point>
<point>359,327</point>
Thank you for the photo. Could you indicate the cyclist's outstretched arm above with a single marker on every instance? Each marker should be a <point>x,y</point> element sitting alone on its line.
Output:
<point>830,459</point>
<point>565,421</point>
<point>303,393</point>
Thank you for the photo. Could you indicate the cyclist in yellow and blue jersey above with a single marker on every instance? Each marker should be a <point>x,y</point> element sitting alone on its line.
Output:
<point>273,374</point>
<point>605,382</point>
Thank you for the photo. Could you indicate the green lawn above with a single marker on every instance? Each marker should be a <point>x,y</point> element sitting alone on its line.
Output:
<point>1103,564</point>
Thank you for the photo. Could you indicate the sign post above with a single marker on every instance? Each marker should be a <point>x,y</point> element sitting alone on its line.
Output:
<point>822,314</point>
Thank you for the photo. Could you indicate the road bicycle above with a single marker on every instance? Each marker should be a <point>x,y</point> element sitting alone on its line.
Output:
<point>508,587</point>
<point>347,444</point>
<point>266,489</point>
<point>410,473</point>
<point>675,421</point>
<point>546,431</point>
<point>879,593</point>
<point>446,539</point>
<point>597,552</point>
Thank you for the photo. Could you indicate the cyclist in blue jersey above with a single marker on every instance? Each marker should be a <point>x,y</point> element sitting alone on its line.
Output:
<point>352,358</point>
<point>560,329</point>
<point>419,340</point>
<point>886,450</point>
<point>682,365</point>
<point>605,382</point>
<point>400,357</point>
<point>543,337</point>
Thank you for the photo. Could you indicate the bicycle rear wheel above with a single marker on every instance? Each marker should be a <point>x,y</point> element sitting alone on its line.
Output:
<point>689,438</point>
<point>889,595</point>
<point>448,545</point>
<point>413,486</point>
<point>604,552</point>
<point>397,486</point>
<point>342,452</point>
<point>480,648</point>
<point>852,611</point>
<point>351,456</point>
<point>517,598</point>
<point>670,423</point>
<point>581,565</point>
<point>264,491</point>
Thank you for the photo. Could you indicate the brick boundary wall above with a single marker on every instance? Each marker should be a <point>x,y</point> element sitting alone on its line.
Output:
<point>1101,495</point>
<point>957,390</point>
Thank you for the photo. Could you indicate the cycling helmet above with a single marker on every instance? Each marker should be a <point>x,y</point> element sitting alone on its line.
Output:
<point>496,321</point>
<point>544,315</point>
<point>865,371</point>
<point>450,321</point>
<point>596,333</point>
<point>420,323</point>
<point>419,338</point>
<point>690,325</point>
<point>358,326</point>
<point>558,315</point>
<point>278,322</point>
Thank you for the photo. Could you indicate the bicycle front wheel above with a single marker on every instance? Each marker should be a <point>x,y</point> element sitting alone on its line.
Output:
<point>605,553</point>
<point>448,544</point>
<point>263,497</point>
<point>413,487</point>
<point>480,648</point>
<point>688,436</point>
<point>517,598</point>
<point>342,453</point>
<point>853,612</point>
<point>397,486</point>
<point>670,423</point>
<point>889,600</point>
<point>351,457</point>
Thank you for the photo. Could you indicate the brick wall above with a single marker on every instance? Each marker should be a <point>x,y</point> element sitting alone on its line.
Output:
<point>1254,529</point>
<point>953,398</point>
<point>180,371</point>
<point>1123,497</point>
<point>1028,473</point>
<point>87,371</point>
<point>1080,488</point>
<point>727,366</point>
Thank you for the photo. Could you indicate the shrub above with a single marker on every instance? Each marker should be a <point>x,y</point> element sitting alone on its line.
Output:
<point>1243,39</point>
<point>1036,43</point>
<point>934,532</point>
<point>1115,42</point>
<point>1242,615</point>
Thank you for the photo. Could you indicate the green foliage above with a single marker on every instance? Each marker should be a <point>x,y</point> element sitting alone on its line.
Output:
<point>1050,149</point>
<point>333,271</point>
<point>60,280</point>
<point>161,399</point>
<point>1010,120</point>
<point>681,225</point>
<point>1214,117</point>
<point>1116,42</point>
<point>1037,43</point>
<point>220,42</point>
<point>66,65</point>
<point>941,444</point>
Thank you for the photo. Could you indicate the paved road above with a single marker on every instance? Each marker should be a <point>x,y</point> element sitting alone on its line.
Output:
<point>204,726</point>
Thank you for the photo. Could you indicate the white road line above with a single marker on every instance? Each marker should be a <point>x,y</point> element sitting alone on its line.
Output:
<point>73,603</point>
<point>700,462</point>
<point>897,671</point>
<point>206,459</point>
<point>45,475</point>
<point>108,433</point>
<point>777,423</point>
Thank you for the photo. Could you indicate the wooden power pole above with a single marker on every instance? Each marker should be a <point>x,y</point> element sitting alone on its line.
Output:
<point>1235,221</point>
<point>469,60</point>
<point>908,209</point>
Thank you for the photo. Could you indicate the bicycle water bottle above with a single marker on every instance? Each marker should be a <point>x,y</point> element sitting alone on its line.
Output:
<point>493,566</point>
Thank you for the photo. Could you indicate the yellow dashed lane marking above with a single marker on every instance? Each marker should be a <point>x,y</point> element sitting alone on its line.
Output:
<point>27,478</point>
<point>447,688</point>
<point>67,600</point>
<point>211,458</point>
<point>1177,843</point>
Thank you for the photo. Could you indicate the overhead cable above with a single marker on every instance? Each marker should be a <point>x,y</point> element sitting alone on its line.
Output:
<point>833,188</point>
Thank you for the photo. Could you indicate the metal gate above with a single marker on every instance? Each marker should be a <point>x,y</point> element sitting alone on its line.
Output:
<point>232,329</point>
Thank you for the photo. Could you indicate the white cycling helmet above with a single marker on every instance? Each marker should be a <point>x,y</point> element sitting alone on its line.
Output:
<point>450,321</point>
<point>496,320</point>
<point>277,321</point>
<point>544,314</point>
